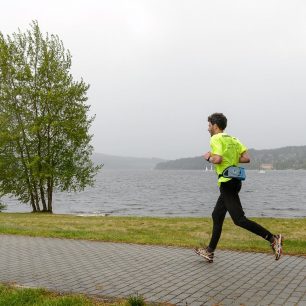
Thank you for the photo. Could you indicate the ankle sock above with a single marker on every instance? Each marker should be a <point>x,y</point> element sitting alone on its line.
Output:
<point>272,238</point>
<point>210,250</point>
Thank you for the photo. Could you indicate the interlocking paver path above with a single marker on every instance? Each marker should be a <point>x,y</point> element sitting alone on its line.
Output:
<point>174,275</point>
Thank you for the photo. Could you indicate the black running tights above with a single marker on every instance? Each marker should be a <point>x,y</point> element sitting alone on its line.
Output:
<point>229,201</point>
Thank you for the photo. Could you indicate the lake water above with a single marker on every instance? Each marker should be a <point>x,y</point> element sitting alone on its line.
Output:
<point>180,193</point>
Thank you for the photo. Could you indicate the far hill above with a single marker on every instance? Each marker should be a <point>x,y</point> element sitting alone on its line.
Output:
<point>278,159</point>
<point>120,162</point>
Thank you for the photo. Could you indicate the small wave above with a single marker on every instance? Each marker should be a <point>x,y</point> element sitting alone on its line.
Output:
<point>83,213</point>
<point>92,215</point>
<point>285,209</point>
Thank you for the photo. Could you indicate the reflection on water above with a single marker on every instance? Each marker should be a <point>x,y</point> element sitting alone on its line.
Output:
<point>181,193</point>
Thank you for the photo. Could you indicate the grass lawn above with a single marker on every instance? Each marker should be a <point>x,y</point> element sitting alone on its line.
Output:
<point>182,232</point>
<point>12,295</point>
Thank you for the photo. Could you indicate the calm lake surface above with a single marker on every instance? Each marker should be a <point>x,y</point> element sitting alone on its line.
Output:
<point>180,193</point>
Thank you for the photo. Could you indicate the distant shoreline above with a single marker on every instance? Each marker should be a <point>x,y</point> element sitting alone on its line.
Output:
<point>105,215</point>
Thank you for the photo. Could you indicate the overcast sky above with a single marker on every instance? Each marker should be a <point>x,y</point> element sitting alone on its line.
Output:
<point>158,68</point>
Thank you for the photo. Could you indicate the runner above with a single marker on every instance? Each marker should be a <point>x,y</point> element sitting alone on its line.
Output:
<point>227,151</point>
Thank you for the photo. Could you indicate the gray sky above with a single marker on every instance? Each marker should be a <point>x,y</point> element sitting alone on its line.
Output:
<point>158,68</point>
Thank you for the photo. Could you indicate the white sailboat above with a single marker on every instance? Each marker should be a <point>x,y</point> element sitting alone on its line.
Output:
<point>207,169</point>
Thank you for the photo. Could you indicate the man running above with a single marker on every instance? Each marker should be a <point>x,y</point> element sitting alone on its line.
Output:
<point>228,151</point>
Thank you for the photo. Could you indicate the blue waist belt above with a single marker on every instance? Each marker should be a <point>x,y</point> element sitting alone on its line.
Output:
<point>234,172</point>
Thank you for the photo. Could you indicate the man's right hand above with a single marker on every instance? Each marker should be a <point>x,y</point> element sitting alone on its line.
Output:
<point>207,155</point>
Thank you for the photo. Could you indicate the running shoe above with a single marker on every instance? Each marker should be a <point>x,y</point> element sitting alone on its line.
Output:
<point>277,247</point>
<point>209,256</point>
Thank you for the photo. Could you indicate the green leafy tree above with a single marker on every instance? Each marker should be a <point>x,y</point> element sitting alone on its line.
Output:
<point>44,121</point>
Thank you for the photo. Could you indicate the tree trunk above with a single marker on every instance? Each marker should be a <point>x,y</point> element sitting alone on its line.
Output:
<point>33,203</point>
<point>42,196</point>
<point>50,193</point>
<point>36,197</point>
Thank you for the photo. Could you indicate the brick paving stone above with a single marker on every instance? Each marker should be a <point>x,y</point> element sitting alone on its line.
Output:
<point>197,303</point>
<point>175,275</point>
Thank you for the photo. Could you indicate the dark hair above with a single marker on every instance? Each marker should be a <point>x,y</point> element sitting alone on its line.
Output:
<point>219,119</point>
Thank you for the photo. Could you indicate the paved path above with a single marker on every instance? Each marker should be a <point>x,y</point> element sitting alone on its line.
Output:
<point>169,274</point>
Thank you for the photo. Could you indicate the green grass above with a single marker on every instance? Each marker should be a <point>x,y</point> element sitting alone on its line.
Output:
<point>136,300</point>
<point>183,232</point>
<point>11,295</point>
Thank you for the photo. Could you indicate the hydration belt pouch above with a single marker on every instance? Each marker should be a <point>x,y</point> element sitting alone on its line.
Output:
<point>234,172</point>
